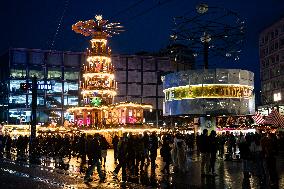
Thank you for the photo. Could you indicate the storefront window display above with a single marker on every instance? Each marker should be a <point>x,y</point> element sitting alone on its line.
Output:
<point>54,73</point>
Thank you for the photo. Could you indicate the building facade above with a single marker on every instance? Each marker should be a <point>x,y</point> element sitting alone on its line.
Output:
<point>138,80</point>
<point>271,51</point>
<point>58,69</point>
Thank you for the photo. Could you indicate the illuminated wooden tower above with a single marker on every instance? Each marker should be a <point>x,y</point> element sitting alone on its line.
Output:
<point>98,85</point>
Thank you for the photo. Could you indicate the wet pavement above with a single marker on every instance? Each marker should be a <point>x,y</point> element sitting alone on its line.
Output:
<point>17,174</point>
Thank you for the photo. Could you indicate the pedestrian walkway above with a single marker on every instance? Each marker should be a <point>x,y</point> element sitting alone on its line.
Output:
<point>229,175</point>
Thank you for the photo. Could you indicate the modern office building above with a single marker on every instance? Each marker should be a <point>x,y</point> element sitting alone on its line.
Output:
<point>58,69</point>
<point>271,50</point>
<point>138,80</point>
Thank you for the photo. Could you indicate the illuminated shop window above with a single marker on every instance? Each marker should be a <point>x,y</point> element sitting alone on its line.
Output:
<point>70,87</point>
<point>56,87</point>
<point>53,101</point>
<point>70,100</point>
<point>19,116</point>
<point>18,113</point>
<point>130,113</point>
<point>39,73</point>
<point>17,99</point>
<point>71,75</point>
<point>54,116</point>
<point>40,100</point>
<point>54,73</point>
<point>18,73</point>
<point>15,85</point>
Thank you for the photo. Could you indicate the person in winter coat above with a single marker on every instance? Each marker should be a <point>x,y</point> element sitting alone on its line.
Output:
<point>104,146</point>
<point>90,150</point>
<point>95,161</point>
<point>82,147</point>
<point>153,149</point>
<point>205,152</point>
<point>166,155</point>
<point>213,151</point>
<point>139,153</point>
<point>115,141</point>
<point>122,157</point>
<point>181,156</point>
<point>245,155</point>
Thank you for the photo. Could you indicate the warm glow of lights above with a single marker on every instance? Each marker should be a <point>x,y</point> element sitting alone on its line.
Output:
<point>99,17</point>
<point>98,86</point>
<point>208,91</point>
<point>100,91</point>
<point>123,130</point>
<point>81,109</point>
<point>100,75</point>
<point>276,97</point>
<point>117,105</point>
<point>99,40</point>
<point>134,105</point>
<point>99,58</point>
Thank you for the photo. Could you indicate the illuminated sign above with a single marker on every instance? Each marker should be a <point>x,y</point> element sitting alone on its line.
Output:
<point>40,86</point>
<point>208,91</point>
<point>44,85</point>
<point>276,97</point>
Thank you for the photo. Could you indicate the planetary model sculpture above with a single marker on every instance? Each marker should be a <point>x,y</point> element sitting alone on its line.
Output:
<point>98,86</point>
<point>211,33</point>
<point>214,35</point>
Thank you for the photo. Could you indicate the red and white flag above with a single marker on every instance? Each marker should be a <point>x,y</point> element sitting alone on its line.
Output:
<point>275,118</point>
<point>258,118</point>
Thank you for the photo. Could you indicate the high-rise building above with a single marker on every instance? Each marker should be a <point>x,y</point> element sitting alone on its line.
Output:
<point>139,80</point>
<point>271,50</point>
<point>60,70</point>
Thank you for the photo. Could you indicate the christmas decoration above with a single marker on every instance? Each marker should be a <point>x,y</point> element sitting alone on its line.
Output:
<point>98,85</point>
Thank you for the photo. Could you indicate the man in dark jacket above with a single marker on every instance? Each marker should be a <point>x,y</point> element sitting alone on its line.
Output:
<point>213,151</point>
<point>95,161</point>
<point>166,155</point>
<point>153,149</point>
<point>115,141</point>
<point>205,152</point>
<point>122,156</point>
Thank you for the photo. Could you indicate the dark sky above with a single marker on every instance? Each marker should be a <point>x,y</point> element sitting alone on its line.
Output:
<point>33,23</point>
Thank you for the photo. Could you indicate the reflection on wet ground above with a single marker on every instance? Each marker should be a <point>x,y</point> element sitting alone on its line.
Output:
<point>229,175</point>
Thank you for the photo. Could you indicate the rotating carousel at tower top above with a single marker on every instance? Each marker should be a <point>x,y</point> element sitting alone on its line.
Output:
<point>97,84</point>
<point>215,35</point>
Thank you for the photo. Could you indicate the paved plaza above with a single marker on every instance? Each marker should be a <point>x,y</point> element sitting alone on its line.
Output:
<point>17,174</point>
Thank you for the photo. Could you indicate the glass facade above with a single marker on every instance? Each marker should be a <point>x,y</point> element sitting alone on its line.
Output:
<point>59,69</point>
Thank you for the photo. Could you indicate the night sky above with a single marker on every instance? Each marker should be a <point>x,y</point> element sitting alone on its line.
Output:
<point>33,24</point>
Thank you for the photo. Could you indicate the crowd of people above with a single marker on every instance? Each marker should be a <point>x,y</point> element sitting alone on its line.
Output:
<point>134,153</point>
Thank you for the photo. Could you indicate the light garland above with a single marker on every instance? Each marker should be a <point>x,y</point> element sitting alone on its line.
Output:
<point>134,105</point>
<point>104,41</point>
<point>99,58</point>
<point>99,91</point>
<point>99,75</point>
<point>208,91</point>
